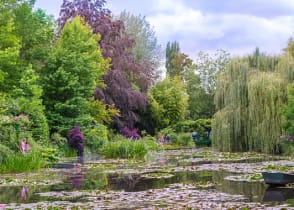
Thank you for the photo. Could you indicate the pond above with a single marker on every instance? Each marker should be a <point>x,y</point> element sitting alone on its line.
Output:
<point>174,179</point>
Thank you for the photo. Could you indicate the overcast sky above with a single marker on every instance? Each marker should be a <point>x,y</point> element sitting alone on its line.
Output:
<point>237,26</point>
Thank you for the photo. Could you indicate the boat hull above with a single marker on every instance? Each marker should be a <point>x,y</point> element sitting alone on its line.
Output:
<point>277,178</point>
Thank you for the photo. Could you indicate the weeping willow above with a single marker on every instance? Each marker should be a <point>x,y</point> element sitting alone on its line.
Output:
<point>267,93</point>
<point>248,99</point>
<point>231,99</point>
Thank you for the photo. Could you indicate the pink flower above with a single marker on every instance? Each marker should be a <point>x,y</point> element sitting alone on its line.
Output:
<point>2,206</point>
<point>16,118</point>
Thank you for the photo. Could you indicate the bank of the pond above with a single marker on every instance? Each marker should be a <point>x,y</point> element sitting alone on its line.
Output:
<point>173,179</point>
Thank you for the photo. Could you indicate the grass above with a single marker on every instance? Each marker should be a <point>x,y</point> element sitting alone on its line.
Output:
<point>127,148</point>
<point>18,162</point>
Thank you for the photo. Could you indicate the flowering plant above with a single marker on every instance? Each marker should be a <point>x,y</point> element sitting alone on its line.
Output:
<point>130,133</point>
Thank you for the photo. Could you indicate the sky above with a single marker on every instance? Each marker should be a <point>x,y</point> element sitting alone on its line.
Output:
<point>237,26</point>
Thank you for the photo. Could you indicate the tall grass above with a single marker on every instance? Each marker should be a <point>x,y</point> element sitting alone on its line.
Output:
<point>126,148</point>
<point>18,162</point>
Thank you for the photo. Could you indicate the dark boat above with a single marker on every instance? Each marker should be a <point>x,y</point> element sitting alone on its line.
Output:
<point>277,178</point>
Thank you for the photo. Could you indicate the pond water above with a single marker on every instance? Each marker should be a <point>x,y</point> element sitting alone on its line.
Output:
<point>198,178</point>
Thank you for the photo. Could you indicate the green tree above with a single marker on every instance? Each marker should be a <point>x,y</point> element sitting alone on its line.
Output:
<point>181,64</point>
<point>209,67</point>
<point>248,100</point>
<point>19,82</point>
<point>200,103</point>
<point>36,32</point>
<point>171,51</point>
<point>10,73</point>
<point>168,102</point>
<point>288,111</point>
<point>74,69</point>
<point>146,47</point>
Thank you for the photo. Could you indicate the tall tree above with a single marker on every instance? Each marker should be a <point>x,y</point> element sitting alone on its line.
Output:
<point>168,102</point>
<point>74,69</point>
<point>10,72</point>
<point>146,48</point>
<point>127,81</point>
<point>209,67</point>
<point>20,82</point>
<point>181,64</point>
<point>36,31</point>
<point>200,103</point>
<point>171,51</point>
<point>248,100</point>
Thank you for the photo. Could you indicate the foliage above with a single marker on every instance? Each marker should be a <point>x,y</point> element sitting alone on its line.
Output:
<point>50,154</point>
<point>36,31</point>
<point>5,153</point>
<point>27,98</point>
<point>125,72</point>
<point>13,129</point>
<point>181,64</point>
<point>20,82</point>
<point>168,102</point>
<point>125,149</point>
<point>57,139</point>
<point>171,132</point>
<point>130,133</point>
<point>76,139</point>
<point>73,70</point>
<point>171,51</point>
<point>248,101</point>
<point>185,139</point>
<point>146,47</point>
<point>288,111</point>
<point>96,137</point>
<point>18,162</point>
<point>10,72</point>
<point>200,103</point>
<point>209,67</point>
<point>199,125</point>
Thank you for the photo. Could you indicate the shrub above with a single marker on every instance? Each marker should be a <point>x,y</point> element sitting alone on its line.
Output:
<point>13,129</point>
<point>199,125</point>
<point>130,133</point>
<point>58,139</point>
<point>50,154</point>
<point>76,140</point>
<point>5,152</point>
<point>96,137</point>
<point>185,139</point>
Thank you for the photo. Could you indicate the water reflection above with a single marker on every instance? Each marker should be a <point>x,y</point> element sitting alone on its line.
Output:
<point>24,193</point>
<point>273,194</point>
<point>77,177</point>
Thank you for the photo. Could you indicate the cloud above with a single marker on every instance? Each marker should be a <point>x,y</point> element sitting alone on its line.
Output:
<point>229,29</point>
<point>237,26</point>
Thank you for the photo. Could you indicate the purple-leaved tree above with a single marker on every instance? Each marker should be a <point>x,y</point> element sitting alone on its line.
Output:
<point>127,81</point>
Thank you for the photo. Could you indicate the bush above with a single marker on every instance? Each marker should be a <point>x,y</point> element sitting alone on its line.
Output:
<point>199,125</point>
<point>185,139</point>
<point>58,139</point>
<point>130,133</point>
<point>150,143</point>
<point>5,152</point>
<point>50,154</point>
<point>96,137</point>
